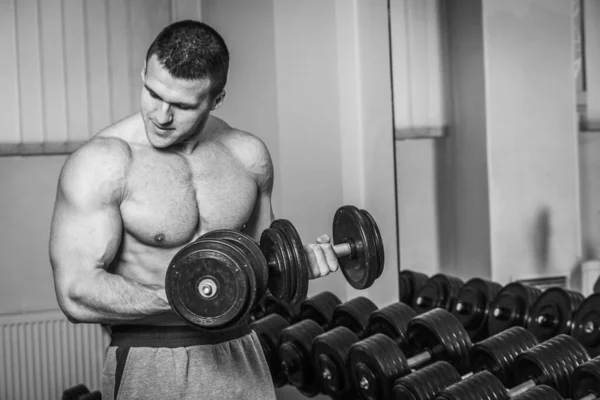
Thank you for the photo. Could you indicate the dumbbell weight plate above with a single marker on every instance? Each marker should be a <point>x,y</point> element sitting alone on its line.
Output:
<point>586,379</point>
<point>378,242</point>
<point>287,310</point>
<point>443,335</point>
<point>473,306</point>
<point>541,392</point>
<point>552,313</point>
<point>410,283</point>
<point>354,315</point>
<point>290,262</point>
<point>440,291</point>
<point>426,382</point>
<point>300,263</point>
<point>551,363</point>
<point>586,325</point>
<point>272,245</point>
<point>213,264</point>
<point>329,354</point>
<point>392,321</point>
<point>252,251</point>
<point>351,226</point>
<point>294,352</point>
<point>510,307</point>
<point>75,392</point>
<point>498,353</point>
<point>482,385</point>
<point>268,330</point>
<point>375,363</point>
<point>320,308</point>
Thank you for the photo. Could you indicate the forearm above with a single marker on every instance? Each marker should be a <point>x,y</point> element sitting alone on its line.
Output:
<point>107,298</point>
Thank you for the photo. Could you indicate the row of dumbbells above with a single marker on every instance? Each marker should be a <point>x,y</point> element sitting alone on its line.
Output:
<point>486,308</point>
<point>353,348</point>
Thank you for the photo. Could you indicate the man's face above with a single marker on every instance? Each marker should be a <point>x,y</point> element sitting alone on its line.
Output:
<point>174,109</point>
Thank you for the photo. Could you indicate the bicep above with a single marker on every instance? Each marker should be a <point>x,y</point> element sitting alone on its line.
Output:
<point>86,230</point>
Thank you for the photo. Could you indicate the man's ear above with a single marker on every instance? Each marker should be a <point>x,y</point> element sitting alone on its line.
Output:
<point>143,74</point>
<point>219,100</point>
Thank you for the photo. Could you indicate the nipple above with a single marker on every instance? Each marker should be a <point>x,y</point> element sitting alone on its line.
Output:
<point>159,238</point>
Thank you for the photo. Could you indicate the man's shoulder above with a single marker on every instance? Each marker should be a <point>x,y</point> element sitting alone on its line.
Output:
<point>247,148</point>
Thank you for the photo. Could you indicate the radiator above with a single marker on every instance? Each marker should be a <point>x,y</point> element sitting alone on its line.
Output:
<point>42,354</point>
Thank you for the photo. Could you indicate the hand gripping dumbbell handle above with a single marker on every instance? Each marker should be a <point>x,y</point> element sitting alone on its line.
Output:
<point>340,250</point>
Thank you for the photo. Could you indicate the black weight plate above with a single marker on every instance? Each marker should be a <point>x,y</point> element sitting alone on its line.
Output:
<point>551,363</point>
<point>288,311</point>
<point>256,257</point>
<point>329,355</point>
<point>473,306</point>
<point>439,291</point>
<point>542,392</point>
<point>294,353</point>
<point>290,263</point>
<point>378,242</point>
<point>586,379</point>
<point>300,258</point>
<point>510,307</point>
<point>392,320</point>
<point>354,315</point>
<point>224,265</point>
<point>272,246</point>
<point>480,386</point>
<point>320,308</point>
<point>586,324</point>
<point>410,283</point>
<point>268,330</point>
<point>75,392</point>
<point>440,333</point>
<point>351,226</point>
<point>374,364</point>
<point>552,313</point>
<point>426,382</point>
<point>498,353</point>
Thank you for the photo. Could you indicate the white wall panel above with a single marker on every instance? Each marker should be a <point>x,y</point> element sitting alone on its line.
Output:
<point>72,67</point>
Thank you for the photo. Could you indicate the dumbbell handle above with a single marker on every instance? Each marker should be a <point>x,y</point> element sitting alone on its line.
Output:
<point>340,250</point>
<point>522,388</point>
<point>419,359</point>
<point>589,397</point>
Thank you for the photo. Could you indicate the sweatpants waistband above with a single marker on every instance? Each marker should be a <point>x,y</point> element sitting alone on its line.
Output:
<point>172,336</point>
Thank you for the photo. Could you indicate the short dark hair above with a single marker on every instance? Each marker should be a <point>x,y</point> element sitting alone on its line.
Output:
<point>192,50</point>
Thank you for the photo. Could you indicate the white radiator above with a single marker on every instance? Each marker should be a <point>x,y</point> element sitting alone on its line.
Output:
<point>42,354</point>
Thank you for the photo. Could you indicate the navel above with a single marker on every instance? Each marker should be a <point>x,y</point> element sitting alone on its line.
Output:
<point>159,238</point>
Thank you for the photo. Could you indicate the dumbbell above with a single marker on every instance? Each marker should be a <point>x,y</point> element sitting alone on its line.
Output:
<point>268,329</point>
<point>319,308</point>
<point>552,313</point>
<point>329,351</point>
<point>439,291</point>
<point>511,306</point>
<point>81,392</point>
<point>473,304</point>
<point>586,324</point>
<point>410,282</point>
<point>550,363</point>
<point>214,282</point>
<point>377,361</point>
<point>270,305</point>
<point>495,354</point>
<point>586,380</point>
<point>298,339</point>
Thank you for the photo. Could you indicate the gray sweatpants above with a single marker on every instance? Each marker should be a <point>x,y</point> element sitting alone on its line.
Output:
<point>162,366</point>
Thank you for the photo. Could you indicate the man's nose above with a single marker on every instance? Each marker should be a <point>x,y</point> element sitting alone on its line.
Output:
<point>163,114</point>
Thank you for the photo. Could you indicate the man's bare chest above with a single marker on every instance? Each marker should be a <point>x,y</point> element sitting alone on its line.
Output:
<point>170,201</point>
